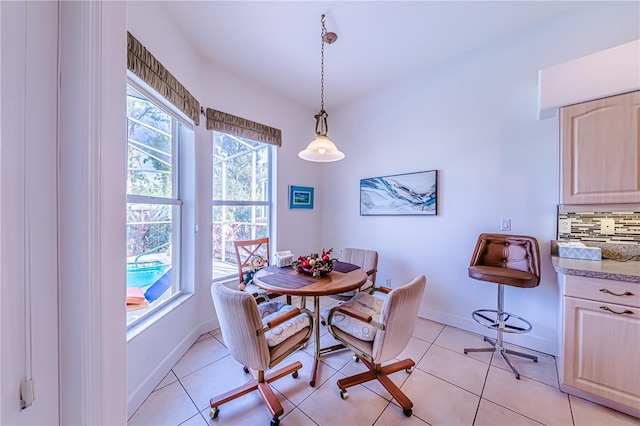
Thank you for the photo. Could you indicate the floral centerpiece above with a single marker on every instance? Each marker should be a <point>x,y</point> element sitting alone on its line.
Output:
<point>316,265</point>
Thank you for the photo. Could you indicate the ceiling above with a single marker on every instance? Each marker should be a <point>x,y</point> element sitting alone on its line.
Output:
<point>276,44</point>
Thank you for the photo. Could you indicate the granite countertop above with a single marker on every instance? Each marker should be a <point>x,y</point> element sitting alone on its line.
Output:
<point>607,269</point>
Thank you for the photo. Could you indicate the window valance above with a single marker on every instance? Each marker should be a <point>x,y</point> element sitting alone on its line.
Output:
<point>143,64</point>
<point>243,128</point>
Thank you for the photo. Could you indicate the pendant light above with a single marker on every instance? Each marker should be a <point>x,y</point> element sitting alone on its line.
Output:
<point>321,149</point>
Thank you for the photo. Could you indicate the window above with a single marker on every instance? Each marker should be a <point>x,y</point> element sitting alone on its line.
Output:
<point>241,197</point>
<point>154,204</point>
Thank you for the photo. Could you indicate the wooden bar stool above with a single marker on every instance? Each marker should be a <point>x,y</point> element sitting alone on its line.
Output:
<point>505,260</point>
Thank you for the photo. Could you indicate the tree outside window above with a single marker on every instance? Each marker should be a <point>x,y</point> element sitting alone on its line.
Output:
<point>241,196</point>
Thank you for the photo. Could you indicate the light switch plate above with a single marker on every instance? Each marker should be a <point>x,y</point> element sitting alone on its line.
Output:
<point>505,224</point>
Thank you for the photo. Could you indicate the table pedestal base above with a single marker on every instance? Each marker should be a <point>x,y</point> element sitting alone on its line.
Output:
<point>318,350</point>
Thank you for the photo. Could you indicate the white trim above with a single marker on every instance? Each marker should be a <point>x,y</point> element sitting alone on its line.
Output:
<point>162,103</point>
<point>531,341</point>
<point>29,345</point>
<point>91,111</point>
<point>143,389</point>
<point>182,161</point>
<point>143,199</point>
<point>599,75</point>
<point>1,207</point>
<point>143,323</point>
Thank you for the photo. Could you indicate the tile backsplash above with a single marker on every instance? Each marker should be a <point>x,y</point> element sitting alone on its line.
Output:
<point>585,227</point>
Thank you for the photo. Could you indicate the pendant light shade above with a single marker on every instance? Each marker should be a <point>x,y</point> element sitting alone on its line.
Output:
<point>321,149</point>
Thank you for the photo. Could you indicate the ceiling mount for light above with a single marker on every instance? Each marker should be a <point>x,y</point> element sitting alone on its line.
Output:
<point>321,149</point>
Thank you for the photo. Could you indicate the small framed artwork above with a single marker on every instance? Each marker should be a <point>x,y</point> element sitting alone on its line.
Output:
<point>405,194</point>
<point>300,197</point>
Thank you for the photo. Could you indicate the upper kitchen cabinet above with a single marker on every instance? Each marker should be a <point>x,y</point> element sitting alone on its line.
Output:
<point>600,151</point>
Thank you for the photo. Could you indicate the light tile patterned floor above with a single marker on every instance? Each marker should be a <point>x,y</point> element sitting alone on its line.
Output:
<point>446,387</point>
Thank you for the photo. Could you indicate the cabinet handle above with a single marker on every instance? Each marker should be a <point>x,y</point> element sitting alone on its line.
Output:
<point>626,293</point>
<point>626,311</point>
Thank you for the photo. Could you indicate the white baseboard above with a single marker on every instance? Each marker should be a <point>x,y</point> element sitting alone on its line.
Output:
<point>136,397</point>
<point>527,340</point>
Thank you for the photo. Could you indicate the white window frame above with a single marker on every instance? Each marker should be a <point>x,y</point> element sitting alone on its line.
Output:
<point>269,204</point>
<point>180,221</point>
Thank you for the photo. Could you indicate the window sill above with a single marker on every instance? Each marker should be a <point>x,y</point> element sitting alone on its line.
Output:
<point>158,313</point>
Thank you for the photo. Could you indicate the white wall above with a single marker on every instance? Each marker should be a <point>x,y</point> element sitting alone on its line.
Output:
<point>154,351</point>
<point>474,119</point>
<point>28,236</point>
<point>589,77</point>
<point>62,318</point>
<point>91,203</point>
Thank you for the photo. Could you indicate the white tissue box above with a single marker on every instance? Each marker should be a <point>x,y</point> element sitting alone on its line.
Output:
<point>579,251</point>
<point>284,259</point>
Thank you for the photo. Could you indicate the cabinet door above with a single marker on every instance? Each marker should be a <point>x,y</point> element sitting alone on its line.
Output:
<point>601,352</point>
<point>600,151</point>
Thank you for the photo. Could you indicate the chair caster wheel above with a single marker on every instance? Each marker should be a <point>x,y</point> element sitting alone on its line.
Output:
<point>356,358</point>
<point>408,412</point>
<point>409,370</point>
<point>344,394</point>
<point>246,370</point>
<point>323,322</point>
<point>295,374</point>
<point>214,413</point>
<point>275,422</point>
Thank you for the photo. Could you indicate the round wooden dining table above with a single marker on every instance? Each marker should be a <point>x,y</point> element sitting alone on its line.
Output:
<point>288,281</point>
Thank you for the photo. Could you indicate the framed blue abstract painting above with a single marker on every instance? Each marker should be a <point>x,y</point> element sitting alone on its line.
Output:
<point>300,197</point>
<point>405,194</point>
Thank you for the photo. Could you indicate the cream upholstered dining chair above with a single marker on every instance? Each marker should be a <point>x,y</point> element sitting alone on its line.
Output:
<point>367,260</point>
<point>259,337</point>
<point>377,330</point>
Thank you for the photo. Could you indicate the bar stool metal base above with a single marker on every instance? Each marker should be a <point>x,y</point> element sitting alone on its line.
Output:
<point>508,322</point>
<point>503,351</point>
<point>501,326</point>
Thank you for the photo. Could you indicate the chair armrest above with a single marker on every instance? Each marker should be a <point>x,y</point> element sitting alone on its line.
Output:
<point>372,271</point>
<point>285,317</point>
<point>381,289</point>
<point>354,314</point>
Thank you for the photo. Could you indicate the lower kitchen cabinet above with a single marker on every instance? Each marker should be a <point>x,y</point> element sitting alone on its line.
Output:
<point>599,356</point>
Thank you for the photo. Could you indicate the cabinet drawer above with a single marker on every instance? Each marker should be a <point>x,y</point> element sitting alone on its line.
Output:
<point>602,342</point>
<point>619,292</point>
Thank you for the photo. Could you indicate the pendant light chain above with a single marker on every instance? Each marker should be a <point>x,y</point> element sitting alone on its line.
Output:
<point>322,34</point>
<point>321,149</point>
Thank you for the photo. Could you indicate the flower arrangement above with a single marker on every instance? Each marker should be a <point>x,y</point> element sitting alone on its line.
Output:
<point>316,265</point>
